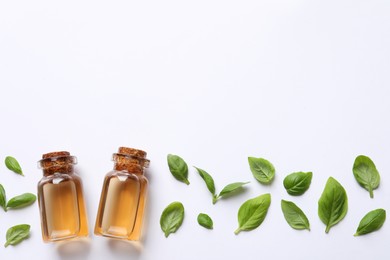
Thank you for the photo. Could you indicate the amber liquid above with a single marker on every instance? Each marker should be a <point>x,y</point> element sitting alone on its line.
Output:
<point>63,214</point>
<point>121,207</point>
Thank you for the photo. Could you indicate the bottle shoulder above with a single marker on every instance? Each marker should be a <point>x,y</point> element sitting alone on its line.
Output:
<point>125,174</point>
<point>59,178</point>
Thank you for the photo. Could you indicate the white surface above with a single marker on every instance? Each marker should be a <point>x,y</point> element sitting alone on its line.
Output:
<point>304,84</point>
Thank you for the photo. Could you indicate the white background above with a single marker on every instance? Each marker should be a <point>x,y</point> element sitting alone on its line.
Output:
<point>304,84</point>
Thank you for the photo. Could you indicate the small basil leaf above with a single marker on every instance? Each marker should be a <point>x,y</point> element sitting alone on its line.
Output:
<point>366,174</point>
<point>297,183</point>
<point>253,212</point>
<point>294,216</point>
<point>262,170</point>
<point>371,222</point>
<point>13,165</point>
<point>17,234</point>
<point>3,198</point>
<point>178,167</point>
<point>205,221</point>
<point>172,218</point>
<point>207,179</point>
<point>21,201</point>
<point>333,204</point>
<point>230,189</point>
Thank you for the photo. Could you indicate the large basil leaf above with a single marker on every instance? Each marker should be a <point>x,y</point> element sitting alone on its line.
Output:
<point>253,212</point>
<point>333,204</point>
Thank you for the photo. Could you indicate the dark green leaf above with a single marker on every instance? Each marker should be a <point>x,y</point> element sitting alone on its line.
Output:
<point>21,201</point>
<point>297,183</point>
<point>3,198</point>
<point>178,167</point>
<point>366,174</point>
<point>13,165</point>
<point>205,221</point>
<point>253,212</point>
<point>333,204</point>
<point>230,189</point>
<point>207,179</point>
<point>262,169</point>
<point>172,218</point>
<point>17,234</point>
<point>294,216</point>
<point>371,222</point>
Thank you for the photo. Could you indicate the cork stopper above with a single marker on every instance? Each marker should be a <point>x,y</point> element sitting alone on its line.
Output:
<point>55,154</point>
<point>132,152</point>
<point>53,162</point>
<point>131,160</point>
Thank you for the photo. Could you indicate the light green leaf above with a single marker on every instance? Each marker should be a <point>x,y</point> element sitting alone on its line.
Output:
<point>229,190</point>
<point>371,222</point>
<point>294,216</point>
<point>333,204</point>
<point>253,212</point>
<point>366,174</point>
<point>17,234</point>
<point>21,201</point>
<point>172,218</point>
<point>178,167</point>
<point>13,165</point>
<point>262,170</point>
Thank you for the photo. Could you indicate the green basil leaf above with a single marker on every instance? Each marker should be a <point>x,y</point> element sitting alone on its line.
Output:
<point>178,167</point>
<point>229,190</point>
<point>207,179</point>
<point>333,204</point>
<point>371,222</point>
<point>294,216</point>
<point>205,221</point>
<point>172,218</point>
<point>21,201</point>
<point>253,212</point>
<point>17,234</point>
<point>297,183</point>
<point>366,174</point>
<point>3,198</point>
<point>262,170</point>
<point>13,165</point>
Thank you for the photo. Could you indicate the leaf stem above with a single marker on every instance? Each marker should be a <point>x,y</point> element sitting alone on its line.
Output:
<point>327,229</point>
<point>371,193</point>
<point>238,230</point>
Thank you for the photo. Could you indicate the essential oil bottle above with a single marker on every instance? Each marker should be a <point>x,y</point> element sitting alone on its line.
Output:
<point>61,200</point>
<point>122,200</point>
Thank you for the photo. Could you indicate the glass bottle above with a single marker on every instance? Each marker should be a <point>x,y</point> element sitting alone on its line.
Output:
<point>123,196</point>
<point>60,198</point>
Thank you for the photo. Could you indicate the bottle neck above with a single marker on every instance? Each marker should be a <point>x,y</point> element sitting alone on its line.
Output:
<point>64,169</point>
<point>129,167</point>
